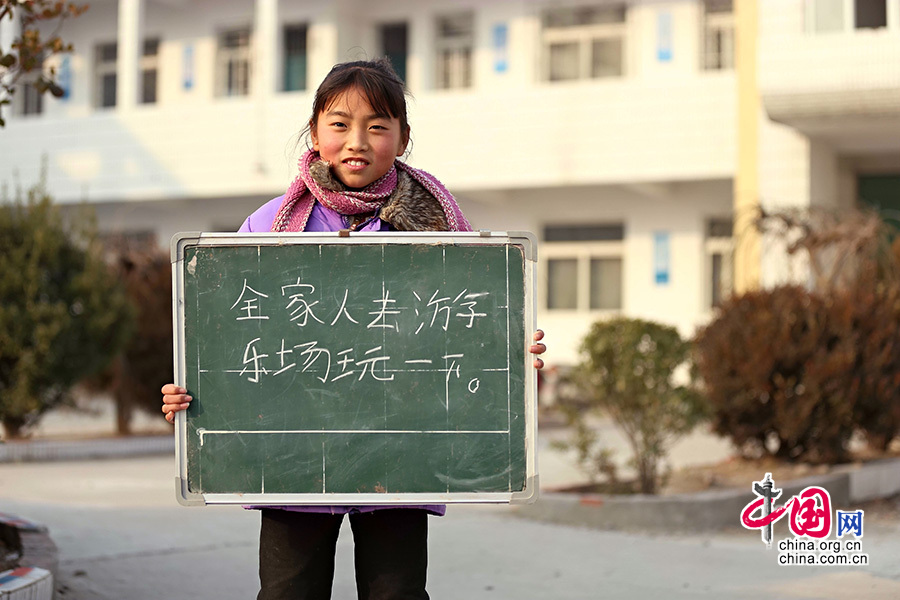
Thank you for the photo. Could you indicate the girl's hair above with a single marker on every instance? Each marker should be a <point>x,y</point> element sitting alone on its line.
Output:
<point>375,79</point>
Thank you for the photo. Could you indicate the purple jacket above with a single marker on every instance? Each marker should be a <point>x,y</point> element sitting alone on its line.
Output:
<point>323,218</point>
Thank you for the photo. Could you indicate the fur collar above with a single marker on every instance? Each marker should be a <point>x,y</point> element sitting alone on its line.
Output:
<point>410,207</point>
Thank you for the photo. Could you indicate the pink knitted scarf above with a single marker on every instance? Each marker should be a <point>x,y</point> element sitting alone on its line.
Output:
<point>305,191</point>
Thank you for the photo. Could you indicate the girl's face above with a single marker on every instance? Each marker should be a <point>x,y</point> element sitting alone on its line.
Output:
<point>360,145</point>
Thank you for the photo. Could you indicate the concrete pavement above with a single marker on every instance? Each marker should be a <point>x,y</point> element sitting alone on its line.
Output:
<point>121,536</point>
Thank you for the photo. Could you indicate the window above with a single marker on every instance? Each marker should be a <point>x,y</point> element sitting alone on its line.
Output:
<point>584,267</point>
<point>119,242</point>
<point>105,75</point>
<point>233,63</point>
<point>825,16</point>
<point>31,101</point>
<point>606,283</point>
<point>394,46</point>
<point>562,283</point>
<point>149,70</point>
<point>454,51</point>
<point>584,42</point>
<point>294,58</point>
<point>584,233</point>
<point>870,14</point>
<point>720,261</point>
<point>718,35</point>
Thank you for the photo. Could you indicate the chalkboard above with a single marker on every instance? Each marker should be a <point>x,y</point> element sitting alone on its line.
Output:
<point>355,368</point>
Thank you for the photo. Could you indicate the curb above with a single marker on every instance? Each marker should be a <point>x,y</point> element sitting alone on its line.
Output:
<point>26,583</point>
<point>39,450</point>
<point>704,511</point>
<point>39,557</point>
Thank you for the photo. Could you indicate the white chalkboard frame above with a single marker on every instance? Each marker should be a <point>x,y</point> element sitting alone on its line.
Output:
<point>524,239</point>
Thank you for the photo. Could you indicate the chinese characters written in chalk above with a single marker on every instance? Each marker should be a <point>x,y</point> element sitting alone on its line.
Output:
<point>330,366</point>
<point>302,306</point>
<point>298,301</point>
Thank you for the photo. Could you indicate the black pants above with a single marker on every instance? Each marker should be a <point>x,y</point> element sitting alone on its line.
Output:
<point>296,554</point>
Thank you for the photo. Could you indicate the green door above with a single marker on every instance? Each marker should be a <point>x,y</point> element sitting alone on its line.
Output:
<point>882,192</point>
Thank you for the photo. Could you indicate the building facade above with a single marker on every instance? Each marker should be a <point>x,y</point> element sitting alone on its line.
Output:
<point>609,129</point>
<point>829,128</point>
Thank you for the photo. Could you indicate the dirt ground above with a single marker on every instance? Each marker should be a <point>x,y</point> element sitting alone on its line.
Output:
<point>740,473</point>
<point>736,472</point>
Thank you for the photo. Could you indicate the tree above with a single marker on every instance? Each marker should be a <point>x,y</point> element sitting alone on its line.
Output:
<point>28,53</point>
<point>63,316</point>
<point>145,363</point>
<point>776,366</point>
<point>795,371</point>
<point>629,371</point>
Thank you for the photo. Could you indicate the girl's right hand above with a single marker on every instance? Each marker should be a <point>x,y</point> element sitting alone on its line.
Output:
<point>174,399</point>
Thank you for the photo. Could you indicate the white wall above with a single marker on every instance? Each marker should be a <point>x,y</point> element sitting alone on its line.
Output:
<point>812,79</point>
<point>681,209</point>
<point>168,217</point>
<point>645,26</point>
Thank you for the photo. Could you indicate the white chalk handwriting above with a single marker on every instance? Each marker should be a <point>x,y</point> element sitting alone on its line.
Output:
<point>308,307</point>
<point>426,309</point>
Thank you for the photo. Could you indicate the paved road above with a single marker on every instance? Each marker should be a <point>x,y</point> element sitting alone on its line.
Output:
<point>122,536</point>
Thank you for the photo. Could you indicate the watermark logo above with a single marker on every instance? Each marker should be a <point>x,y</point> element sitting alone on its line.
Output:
<point>850,522</point>
<point>810,520</point>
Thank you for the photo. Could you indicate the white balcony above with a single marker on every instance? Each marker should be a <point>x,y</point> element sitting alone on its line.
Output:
<point>548,135</point>
<point>843,85</point>
<point>583,133</point>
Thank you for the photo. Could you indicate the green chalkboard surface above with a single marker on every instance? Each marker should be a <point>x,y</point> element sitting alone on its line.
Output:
<point>363,368</point>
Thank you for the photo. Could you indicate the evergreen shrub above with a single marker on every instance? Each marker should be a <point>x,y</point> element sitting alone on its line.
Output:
<point>63,316</point>
<point>629,372</point>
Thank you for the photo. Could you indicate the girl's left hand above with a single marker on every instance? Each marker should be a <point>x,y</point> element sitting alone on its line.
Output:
<point>538,348</point>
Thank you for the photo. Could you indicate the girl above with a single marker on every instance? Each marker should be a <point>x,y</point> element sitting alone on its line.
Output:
<point>351,179</point>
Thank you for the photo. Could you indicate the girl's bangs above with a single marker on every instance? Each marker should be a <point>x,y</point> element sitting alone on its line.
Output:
<point>371,85</point>
<point>380,98</point>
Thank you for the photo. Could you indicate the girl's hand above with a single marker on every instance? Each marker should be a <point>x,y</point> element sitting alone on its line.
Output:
<point>538,348</point>
<point>174,399</point>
